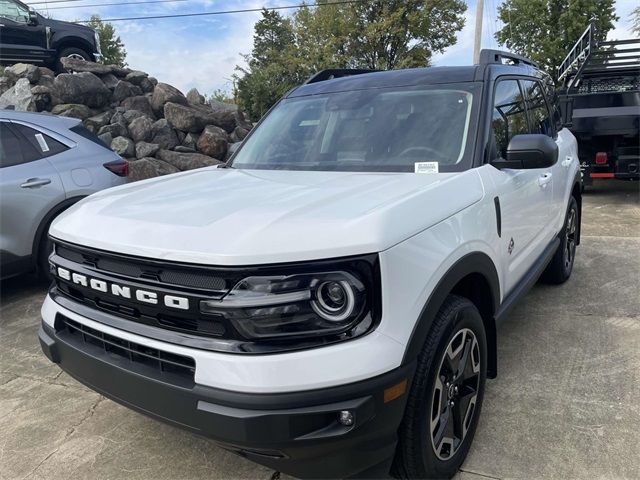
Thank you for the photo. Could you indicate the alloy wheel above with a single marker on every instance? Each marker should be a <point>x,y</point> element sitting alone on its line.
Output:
<point>455,394</point>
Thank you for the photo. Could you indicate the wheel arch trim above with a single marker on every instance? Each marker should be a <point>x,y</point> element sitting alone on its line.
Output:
<point>46,220</point>
<point>472,263</point>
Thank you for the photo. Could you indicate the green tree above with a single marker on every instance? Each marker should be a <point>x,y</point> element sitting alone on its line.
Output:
<point>113,51</point>
<point>378,34</point>
<point>271,66</point>
<point>545,30</point>
<point>635,21</point>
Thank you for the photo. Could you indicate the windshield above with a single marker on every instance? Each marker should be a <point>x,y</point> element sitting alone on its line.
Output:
<point>384,129</point>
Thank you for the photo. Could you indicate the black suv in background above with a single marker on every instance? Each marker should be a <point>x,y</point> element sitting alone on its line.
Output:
<point>26,36</point>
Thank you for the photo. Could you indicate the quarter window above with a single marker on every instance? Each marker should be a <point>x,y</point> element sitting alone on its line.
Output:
<point>539,116</point>
<point>43,144</point>
<point>509,116</point>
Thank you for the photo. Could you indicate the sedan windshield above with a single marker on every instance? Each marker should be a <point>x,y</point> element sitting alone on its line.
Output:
<point>384,129</point>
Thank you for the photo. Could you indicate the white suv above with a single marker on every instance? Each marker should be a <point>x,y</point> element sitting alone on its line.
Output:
<point>326,305</point>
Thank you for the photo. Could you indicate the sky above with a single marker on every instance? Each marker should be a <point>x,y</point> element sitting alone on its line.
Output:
<point>203,52</point>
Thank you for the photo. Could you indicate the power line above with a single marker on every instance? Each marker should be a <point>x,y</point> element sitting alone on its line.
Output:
<point>54,1</point>
<point>114,4</point>
<point>224,12</point>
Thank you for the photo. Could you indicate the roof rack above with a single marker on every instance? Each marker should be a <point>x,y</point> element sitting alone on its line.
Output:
<point>588,57</point>
<point>332,73</point>
<point>498,56</point>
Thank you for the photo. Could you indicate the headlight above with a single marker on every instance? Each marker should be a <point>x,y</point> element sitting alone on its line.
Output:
<point>299,305</point>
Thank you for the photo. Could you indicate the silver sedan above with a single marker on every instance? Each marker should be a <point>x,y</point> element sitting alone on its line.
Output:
<point>47,163</point>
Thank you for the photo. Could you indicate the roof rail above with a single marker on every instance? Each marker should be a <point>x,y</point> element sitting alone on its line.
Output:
<point>498,56</point>
<point>332,73</point>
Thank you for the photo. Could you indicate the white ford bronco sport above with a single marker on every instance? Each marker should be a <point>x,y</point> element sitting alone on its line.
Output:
<point>326,305</point>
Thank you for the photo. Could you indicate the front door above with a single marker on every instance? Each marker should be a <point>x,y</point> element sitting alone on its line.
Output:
<point>20,41</point>
<point>525,196</point>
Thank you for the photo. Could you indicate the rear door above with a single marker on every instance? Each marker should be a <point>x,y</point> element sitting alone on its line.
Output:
<point>29,188</point>
<point>20,41</point>
<point>524,195</point>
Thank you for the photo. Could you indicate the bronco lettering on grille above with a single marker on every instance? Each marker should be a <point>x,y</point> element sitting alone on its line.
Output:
<point>117,290</point>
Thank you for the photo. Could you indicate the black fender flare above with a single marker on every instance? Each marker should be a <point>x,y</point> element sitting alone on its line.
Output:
<point>44,223</point>
<point>471,263</point>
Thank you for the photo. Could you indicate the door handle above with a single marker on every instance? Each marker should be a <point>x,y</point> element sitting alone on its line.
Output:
<point>35,182</point>
<point>544,179</point>
<point>567,161</point>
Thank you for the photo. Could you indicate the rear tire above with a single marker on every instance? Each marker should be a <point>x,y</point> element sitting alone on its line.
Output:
<point>559,269</point>
<point>72,52</point>
<point>446,395</point>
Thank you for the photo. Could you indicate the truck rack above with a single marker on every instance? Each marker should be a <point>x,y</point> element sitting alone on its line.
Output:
<point>614,63</point>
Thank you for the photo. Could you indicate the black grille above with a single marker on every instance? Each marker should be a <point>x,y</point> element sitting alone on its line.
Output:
<point>170,275</point>
<point>176,369</point>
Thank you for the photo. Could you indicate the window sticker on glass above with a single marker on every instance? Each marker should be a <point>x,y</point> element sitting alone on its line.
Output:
<point>426,167</point>
<point>42,142</point>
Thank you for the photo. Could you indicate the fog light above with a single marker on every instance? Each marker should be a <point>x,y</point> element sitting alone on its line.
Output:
<point>346,418</point>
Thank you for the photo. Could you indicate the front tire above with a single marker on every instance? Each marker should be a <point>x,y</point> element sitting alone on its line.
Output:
<point>446,395</point>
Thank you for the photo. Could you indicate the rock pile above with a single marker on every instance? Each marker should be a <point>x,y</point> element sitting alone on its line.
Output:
<point>153,125</point>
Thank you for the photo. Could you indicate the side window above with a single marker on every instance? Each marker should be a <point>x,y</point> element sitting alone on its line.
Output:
<point>42,144</point>
<point>509,116</point>
<point>10,151</point>
<point>539,116</point>
<point>12,11</point>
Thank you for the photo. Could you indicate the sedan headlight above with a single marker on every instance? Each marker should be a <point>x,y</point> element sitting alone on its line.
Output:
<point>294,306</point>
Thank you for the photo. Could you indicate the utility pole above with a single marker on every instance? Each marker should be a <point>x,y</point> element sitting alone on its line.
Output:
<point>478,32</point>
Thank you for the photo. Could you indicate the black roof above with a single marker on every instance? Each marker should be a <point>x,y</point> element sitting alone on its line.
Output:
<point>362,79</point>
<point>390,78</point>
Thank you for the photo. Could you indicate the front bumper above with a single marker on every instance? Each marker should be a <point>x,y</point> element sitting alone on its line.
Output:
<point>297,433</point>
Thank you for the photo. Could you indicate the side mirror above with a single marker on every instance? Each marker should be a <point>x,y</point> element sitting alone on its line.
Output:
<point>529,151</point>
<point>33,18</point>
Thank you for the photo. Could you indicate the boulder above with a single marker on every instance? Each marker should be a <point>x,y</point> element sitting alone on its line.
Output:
<point>106,138</point>
<point>46,71</point>
<point>239,134</point>
<point>136,77</point>
<point>83,88</point>
<point>46,81</point>
<point>74,110</point>
<point>232,149</point>
<point>115,129</point>
<point>226,115</point>
<point>109,80</point>
<point>5,84</point>
<point>140,129</point>
<point>163,134</point>
<point>146,85</point>
<point>183,149</point>
<point>186,118</point>
<point>124,90</point>
<point>41,97</point>
<point>190,141</point>
<point>194,97</point>
<point>19,96</point>
<point>163,93</point>
<point>186,161</point>
<point>213,142</point>
<point>140,103</point>
<point>118,117</point>
<point>77,65</point>
<point>144,149</point>
<point>123,146</point>
<point>96,122</point>
<point>23,70</point>
<point>130,115</point>
<point>149,168</point>
<point>153,80</point>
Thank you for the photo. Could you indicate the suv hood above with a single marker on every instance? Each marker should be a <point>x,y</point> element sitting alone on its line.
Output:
<point>250,217</point>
